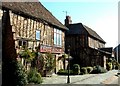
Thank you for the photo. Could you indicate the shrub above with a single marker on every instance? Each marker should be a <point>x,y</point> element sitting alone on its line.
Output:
<point>13,73</point>
<point>21,74</point>
<point>98,69</point>
<point>109,66</point>
<point>34,77</point>
<point>50,61</point>
<point>61,70</point>
<point>89,69</point>
<point>117,66</point>
<point>76,69</point>
<point>84,70</point>
<point>64,72</point>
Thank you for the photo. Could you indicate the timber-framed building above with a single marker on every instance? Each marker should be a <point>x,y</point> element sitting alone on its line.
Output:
<point>86,46</point>
<point>33,25</point>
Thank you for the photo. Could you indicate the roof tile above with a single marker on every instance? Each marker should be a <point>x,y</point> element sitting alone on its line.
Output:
<point>34,9</point>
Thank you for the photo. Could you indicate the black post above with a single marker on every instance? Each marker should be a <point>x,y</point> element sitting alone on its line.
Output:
<point>68,79</point>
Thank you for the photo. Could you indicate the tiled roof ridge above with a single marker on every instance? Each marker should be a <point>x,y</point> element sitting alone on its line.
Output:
<point>92,32</point>
<point>36,10</point>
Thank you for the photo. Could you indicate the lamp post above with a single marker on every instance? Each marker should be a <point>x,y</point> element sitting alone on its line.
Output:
<point>68,78</point>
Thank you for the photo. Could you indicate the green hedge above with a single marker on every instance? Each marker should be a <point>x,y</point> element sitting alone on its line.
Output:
<point>117,66</point>
<point>76,69</point>
<point>84,70</point>
<point>98,69</point>
<point>65,72</point>
<point>89,69</point>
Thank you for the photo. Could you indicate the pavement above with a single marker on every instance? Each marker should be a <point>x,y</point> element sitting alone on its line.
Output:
<point>103,79</point>
<point>110,80</point>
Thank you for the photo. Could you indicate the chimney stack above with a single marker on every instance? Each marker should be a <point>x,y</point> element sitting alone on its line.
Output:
<point>68,21</point>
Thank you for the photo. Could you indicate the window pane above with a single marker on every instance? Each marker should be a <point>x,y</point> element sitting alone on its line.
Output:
<point>60,32</point>
<point>55,37</point>
<point>24,43</point>
<point>60,40</point>
<point>55,30</point>
<point>37,35</point>
<point>20,43</point>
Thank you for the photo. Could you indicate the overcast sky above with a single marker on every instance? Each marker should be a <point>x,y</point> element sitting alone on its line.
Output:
<point>99,15</point>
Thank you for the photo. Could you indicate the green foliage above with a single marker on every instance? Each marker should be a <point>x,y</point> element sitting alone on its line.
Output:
<point>27,54</point>
<point>109,66</point>
<point>84,70</point>
<point>14,73</point>
<point>98,69</point>
<point>43,62</point>
<point>20,74</point>
<point>34,77</point>
<point>49,62</point>
<point>110,60</point>
<point>89,69</point>
<point>38,61</point>
<point>64,72</point>
<point>65,56</point>
<point>76,69</point>
<point>36,55</point>
<point>117,66</point>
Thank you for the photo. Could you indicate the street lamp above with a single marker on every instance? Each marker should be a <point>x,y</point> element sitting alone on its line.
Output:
<point>68,78</point>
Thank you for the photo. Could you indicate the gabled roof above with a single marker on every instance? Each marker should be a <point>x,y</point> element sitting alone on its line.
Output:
<point>35,10</point>
<point>93,33</point>
<point>79,28</point>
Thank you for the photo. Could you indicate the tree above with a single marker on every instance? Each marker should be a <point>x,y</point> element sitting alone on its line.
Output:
<point>12,74</point>
<point>49,62</point>
<point>27,55</point>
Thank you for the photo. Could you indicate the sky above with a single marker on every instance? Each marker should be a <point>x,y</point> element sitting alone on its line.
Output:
<point>99,15</point>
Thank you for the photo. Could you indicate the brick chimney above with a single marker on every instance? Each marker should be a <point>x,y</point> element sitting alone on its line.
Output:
<point>68,21</point>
